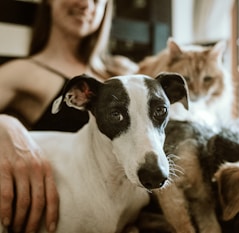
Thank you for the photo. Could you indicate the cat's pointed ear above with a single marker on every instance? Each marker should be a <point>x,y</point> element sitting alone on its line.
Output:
<point>174,49</point>
<point>217,51</point>
<point>175,87</point>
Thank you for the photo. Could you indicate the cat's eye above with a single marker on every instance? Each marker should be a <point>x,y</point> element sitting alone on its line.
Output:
<point>208,79</point>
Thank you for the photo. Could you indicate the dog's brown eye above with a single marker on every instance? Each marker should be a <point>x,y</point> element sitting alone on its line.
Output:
<point>116,116</point>
<point>160,112</point>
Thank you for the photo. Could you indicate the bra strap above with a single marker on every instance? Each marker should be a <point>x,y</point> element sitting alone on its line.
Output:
<point>49,68</point>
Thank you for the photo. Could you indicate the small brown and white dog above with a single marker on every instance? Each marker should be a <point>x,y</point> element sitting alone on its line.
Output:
<point>204,194</point>
<point>187,202</point>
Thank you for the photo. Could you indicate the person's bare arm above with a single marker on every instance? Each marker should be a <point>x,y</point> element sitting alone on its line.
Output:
<point>11,78</point>
<point>26,180</point>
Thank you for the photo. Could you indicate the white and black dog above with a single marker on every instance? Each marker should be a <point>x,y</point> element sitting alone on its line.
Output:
<point>103,171</point>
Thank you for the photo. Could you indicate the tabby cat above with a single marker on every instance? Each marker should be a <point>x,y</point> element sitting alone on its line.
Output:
<point>209,84</point>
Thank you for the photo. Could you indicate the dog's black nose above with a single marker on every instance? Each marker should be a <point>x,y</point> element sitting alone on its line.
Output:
<point>149,173</point>
<point>151,179</point>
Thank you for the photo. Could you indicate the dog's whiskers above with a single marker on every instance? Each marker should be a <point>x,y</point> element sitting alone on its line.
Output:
<point>175,170</point>
<point>173,156</point>
<point>179,170</point>
<point>167,183</point>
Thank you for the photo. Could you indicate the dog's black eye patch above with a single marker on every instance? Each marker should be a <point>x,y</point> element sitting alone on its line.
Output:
<point>158,111</point>
<point>112,109</point>
<point>158,104</point>
<point>116,116</point>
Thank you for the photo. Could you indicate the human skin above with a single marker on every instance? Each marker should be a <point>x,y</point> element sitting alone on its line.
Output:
<point>28,89</point>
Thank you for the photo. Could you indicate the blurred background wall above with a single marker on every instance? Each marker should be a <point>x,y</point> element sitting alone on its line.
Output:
<point>140,27</point>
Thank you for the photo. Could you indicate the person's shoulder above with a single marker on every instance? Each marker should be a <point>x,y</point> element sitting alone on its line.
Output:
<point>15,65</point>
<point>16,71</point>
<point>17,62</point>
<point>121,65</point>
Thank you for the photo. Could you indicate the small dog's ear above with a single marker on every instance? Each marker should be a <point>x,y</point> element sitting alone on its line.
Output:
<point>77,93</point>
<point>227,178</point>
<point>175,87</point>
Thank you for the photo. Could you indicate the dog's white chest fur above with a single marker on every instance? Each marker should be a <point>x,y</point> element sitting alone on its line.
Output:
<point>89,201</point>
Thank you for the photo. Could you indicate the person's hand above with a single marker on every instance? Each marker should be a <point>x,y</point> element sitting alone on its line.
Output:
<point>27,187</point>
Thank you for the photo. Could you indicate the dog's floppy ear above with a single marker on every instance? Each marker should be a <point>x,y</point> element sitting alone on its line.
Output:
<point>227,178</point>
<point>78,93</point>
<point>175,87</point>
